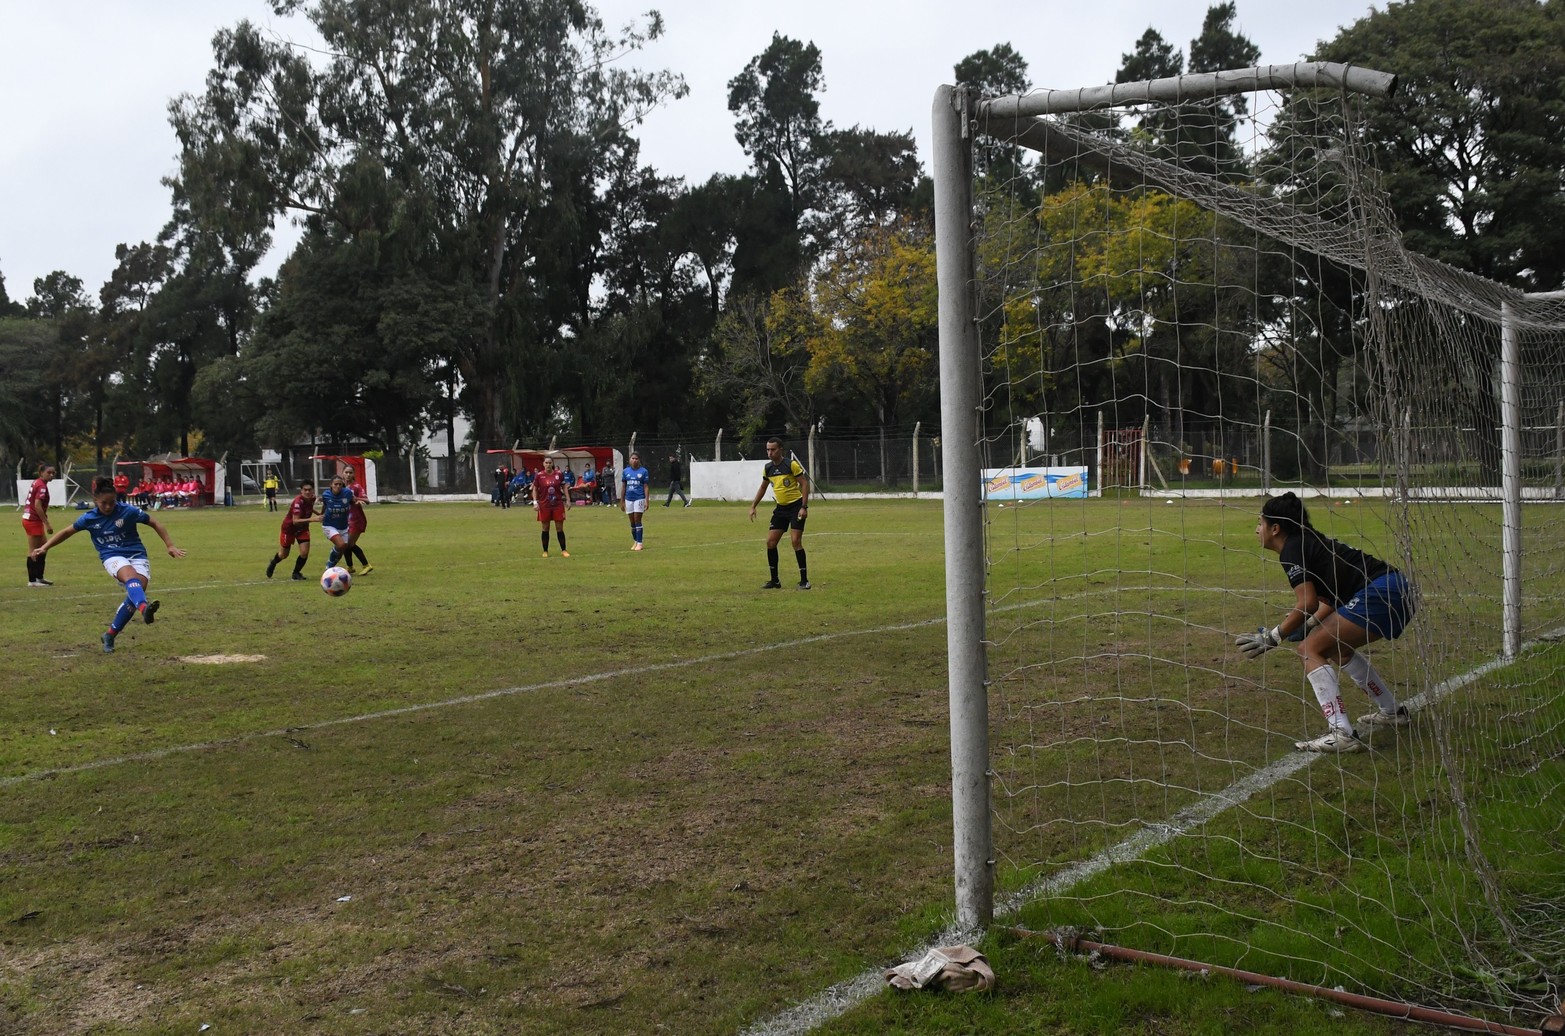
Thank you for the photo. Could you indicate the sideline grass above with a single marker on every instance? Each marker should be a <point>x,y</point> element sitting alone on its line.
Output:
<point>755,807</point>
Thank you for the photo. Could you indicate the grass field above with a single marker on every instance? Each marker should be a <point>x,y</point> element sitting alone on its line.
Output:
<point>489,792</point>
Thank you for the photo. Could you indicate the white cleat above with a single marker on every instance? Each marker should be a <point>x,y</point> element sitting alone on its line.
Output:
<point>1333,743</point>
<point>1399,718</point>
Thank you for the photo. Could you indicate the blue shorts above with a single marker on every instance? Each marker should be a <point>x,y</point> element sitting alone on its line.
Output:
<point>1384,607</point>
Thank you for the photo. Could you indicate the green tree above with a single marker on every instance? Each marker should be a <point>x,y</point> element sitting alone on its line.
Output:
<point>778,119</point>
<point>1197,134</point>
<point>1472,145</point>
<point>871,324</point>
<point>491,120</point>
<point>870,179</point>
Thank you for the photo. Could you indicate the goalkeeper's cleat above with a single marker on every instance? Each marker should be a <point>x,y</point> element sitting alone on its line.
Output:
<point>771,584</point>
<point>1334,742</point>
<point>1399,718</point>
<point>150,612</point>
<point>108,643</point>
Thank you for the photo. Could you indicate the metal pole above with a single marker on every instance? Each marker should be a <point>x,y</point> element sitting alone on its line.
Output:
<point>1559,452</point>
<point>809,454</point>
<point>1303,74</point>
<point>961,397</point>
<point>1102,482</point>
<point>1266,454</point>
<point>1511,477</point>
<point>1146,436</point>
<point>717,447</point>
<point>916,426</point>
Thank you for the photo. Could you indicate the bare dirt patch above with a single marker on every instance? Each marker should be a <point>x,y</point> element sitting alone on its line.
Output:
<point>220,659</point>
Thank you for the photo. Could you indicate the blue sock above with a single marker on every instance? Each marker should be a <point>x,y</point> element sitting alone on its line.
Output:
<point>122,616</point>
<point>635,531</point>
<point>331,561</point>
<point>135,594</point>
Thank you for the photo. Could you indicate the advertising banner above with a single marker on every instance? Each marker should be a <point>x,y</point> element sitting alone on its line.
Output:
<point>1034,483</point>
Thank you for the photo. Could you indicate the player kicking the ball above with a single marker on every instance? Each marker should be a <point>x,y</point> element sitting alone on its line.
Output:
<point>112,526</point>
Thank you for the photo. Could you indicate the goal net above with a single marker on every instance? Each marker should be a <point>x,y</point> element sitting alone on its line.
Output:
<point>1178,308</point>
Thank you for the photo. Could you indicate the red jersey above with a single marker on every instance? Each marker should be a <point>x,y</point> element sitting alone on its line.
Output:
<point>358,521</point>
<point>298,513</point>
<point>37,501</point>
<point>549,488</point>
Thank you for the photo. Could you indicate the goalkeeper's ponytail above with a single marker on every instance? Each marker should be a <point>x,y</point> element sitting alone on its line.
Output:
<point>1287,511</point>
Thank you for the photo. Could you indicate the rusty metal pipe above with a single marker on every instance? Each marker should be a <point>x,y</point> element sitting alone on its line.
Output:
<point>1390,1008</point>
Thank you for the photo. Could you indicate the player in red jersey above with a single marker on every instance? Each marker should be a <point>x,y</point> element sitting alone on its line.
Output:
<point>358,521</point>
<point>35,523</point>
<point>549,498</point>
<point>296,529</point>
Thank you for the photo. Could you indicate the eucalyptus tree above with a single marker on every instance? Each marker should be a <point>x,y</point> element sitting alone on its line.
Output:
<point>1472,144</point>
<point>493,123</point>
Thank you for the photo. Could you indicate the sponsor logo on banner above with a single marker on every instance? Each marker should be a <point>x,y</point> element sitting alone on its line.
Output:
<point>1034,483</point>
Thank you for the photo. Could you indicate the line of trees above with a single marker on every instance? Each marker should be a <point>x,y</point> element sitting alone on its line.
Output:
<point>481,237</point>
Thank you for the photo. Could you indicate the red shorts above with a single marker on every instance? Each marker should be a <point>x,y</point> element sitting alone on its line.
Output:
<point>32,526</point>
<point>547,514</point>
<point>357,522</point>
<point>288,537</point>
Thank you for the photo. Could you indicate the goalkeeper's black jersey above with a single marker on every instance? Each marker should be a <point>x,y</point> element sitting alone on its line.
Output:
<point>1338,571</point>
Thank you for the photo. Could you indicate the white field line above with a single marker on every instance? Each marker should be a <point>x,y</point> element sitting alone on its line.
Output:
<point>466,699</point>
<point>838,999</point>
<point>842,997</point>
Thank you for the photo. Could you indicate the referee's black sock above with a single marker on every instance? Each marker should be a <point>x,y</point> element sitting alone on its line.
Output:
<point>771,559</point>
<point>803,571</point>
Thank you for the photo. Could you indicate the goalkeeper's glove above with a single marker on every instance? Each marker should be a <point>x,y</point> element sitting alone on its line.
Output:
<point>1254,645</point>
<point>1310,622</point>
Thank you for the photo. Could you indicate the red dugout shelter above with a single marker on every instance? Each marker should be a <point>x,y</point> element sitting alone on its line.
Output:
<point>209,474</point>
<point>577,458</point>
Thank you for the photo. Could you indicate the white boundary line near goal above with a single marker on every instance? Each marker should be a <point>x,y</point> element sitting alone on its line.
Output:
<point>838,999</point>
<point>844,996</point>
<point>466,699</point>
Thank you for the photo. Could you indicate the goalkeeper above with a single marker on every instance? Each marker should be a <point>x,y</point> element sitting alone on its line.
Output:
<point>1345,599</point>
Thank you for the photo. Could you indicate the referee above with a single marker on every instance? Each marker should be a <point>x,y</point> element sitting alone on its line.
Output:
<point>791,489</point>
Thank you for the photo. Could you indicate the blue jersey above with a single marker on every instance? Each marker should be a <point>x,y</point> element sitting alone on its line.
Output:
<point>636,481</point>
<point>114,534</point>
<point>335,507</point>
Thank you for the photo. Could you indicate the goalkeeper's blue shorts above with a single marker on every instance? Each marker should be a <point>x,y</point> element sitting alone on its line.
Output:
<point>1384,607</point>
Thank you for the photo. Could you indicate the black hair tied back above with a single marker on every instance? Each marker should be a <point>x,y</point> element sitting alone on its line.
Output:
<point>1287,511</point>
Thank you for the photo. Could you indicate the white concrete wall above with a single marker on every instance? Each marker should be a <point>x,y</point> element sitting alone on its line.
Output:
<point>735,480</point>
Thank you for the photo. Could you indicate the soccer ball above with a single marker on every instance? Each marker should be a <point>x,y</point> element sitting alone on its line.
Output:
<point>336,581</point>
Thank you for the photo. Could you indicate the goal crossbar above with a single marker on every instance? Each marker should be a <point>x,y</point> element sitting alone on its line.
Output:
<point>1195,86</point>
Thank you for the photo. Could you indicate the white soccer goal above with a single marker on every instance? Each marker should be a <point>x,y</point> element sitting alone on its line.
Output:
<point>1201,300</point>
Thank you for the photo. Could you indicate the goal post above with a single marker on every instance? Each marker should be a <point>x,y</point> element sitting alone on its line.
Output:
<point>961,387</point>
<point>1206,320</point>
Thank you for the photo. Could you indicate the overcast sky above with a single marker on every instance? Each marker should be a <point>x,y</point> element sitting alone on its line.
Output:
<point>85,87</point>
